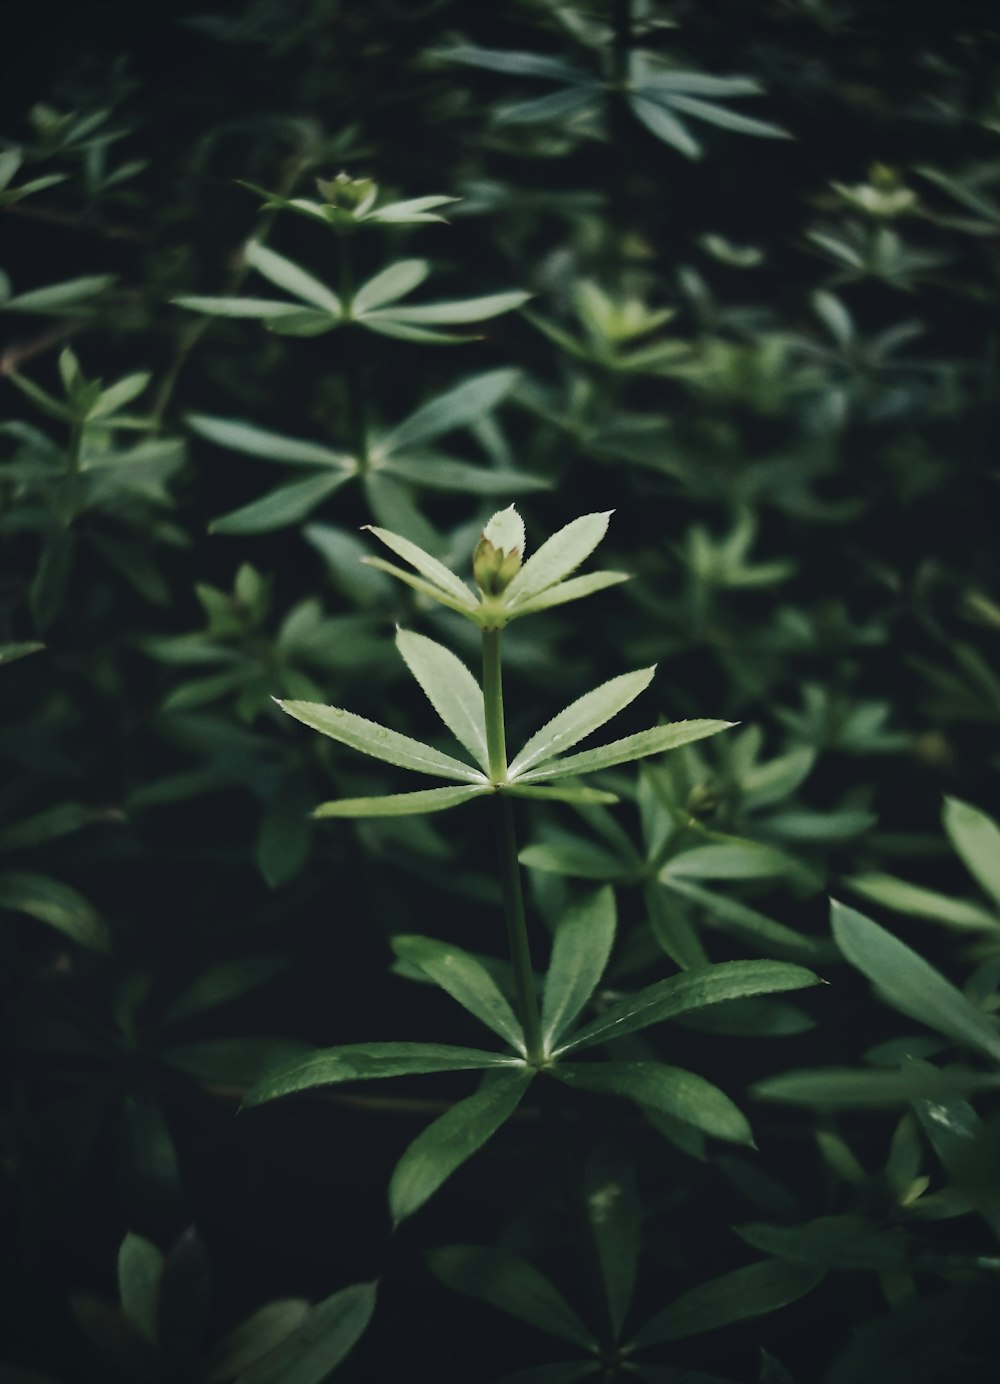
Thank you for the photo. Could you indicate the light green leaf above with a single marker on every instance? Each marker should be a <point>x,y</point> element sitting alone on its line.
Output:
<point>461,310</point>
<point>729,980</point>
<point>670,1090</point>
<point>919,902</point>
<point>452,1139</point>
<point>276,510</point>
<point>579,719</point>
<point>379,742</point>
<point>10,653</point>
<point>441,473</point>
<point>845,1088</point>
<point>729,860</point>
<point>578,859</point>
<point>749,1292</point>
<point>563,793</point>
<point>511,1284</point>
<point>57,904</point>
<point>257,442</point>
<point>414,209</point>
<point>516,64</point>
<point>910,983</point>
<point>269,309</point>
<point>558,556</point>
<point>284,274</point>
<point>302,322</point>
<point>119,394</point>
<point>565,591</point>
<point>61,297</point>
<point>976,837</point>
<point>254,1337</point>
<point>371,1062</point>
<point>754,928</point>
<point>386,323</point>
<point>434,571</point>
<point>425,588</point>
<point>727,119</point>
<point>401,804</point>
<point>465,404</point>
<point>391,283</point>
<point>466,980</point>
<point>558,105</point>
<point>668,84</point>
<point>655,741</point>
<point>326,1336</point>
<point>580,952</point>
<point>658,120</point>
<point>451,690</point>
<point>140,1269</point>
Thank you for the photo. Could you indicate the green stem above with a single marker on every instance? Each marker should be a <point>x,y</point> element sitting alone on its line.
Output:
<point>355,393</point>
<point>510,870</point>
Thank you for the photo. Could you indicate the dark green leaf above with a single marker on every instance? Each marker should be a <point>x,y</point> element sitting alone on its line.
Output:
<point>370,1062</point>
<point>580,952</point>
<point>468,982</point>
<point>511,1284</point>
<point>753,1291</point>
<point>670,1090</point>
<point>326,1336</point>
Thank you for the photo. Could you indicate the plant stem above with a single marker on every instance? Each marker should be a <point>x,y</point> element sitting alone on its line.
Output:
<point>510,870</point>
<point>354,355</point>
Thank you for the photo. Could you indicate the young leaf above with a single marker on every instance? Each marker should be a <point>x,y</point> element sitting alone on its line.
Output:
<point>558,556</point>
<point>401,804</point>
<point>565,591</point>
<point>580,952</point>
<point>429,567</point>
<point>976,837</point>
<point>645,742</point>
<point>728,980</point>
<point>465,404</point>
<point>669,1090</point>
<point>379,742</point>
<point>452,1139</point>
<point>370,1062</point>
<point>465,980</point>
<point>450,688</point>
<point>327,1335</point>
<point>511,1284</point>
<point>389,284</point>
<point>284,274</point>
<point>749,1292</point>
<point>258,442</point>
<point>579,719</point>
<point>910,983</point>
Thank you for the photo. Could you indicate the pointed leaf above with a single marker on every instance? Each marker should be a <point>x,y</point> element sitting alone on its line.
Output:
<point>55,903</point>
<point>845,1088</point>
<point>441,473</point>
<point>258,442</point>
<point>910,983</point>
<point>465,404</point>
<point>655,741</point>
<point>391,283</point>
<point>466,980</point>
<point>563,793</point>
<point>284,274</point>
<point>557,105</point>
<point>412,210</point>
<point>140,1269</point>
<point>668,84</point>
<point>579,719</point>
<point>516,64</point>
<point>401,804</point>
<point>269,309</point>
<point>379,742</point>
<point>761,933</point>
<point>252,1338</point>
<point>580,952</point>
<point>434,571</point>
<point>425,588</point>
<point>450,688</point>
<point>327,1335</point>
<point>614,1213</point>
<point>461,310</point>
<point>577,858</point>
<point>386,323</point>
<point>658,120</point>
<point>976,837</point>
<point>727,119</point>
<point>729,980</point>
<point>669,1090</point>
<point>9,653</point>
<point>371,1062</point>
<point>728,860</point>
<point>452,1139</point>
<point>565,591</point>
<point>511,1284</point>
<point>903,897</point>
<point>558,556</point>
<point>276,510</point>
<point>749,1292</point>
<point>61,297</point>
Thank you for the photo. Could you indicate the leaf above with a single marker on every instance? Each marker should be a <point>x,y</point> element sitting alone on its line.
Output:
<point>658,120</point>
<point>918,902</point>
<point>655,741</point>
<point>461,310</point>
<point>435,572</point>
<point>267,309</point>
<point>558,556</point>
<point>468,982</point>
<point>401,804</point>
<point>53,822</point>
<point>441,473</point>
<point>9,653</point>
<point>845,1088</point>
<point>580,718</point>
<point>557,105</point>
<point>614,1212</point>
<point>284,274</point>
<point>468,402</point>
<point>452,1139</point>
<point>223,982</point>
<point>389,284</point>
<point>727,119</point>
<point>672,930</point>
<point>728,980</point>
<point>258,442</point>
<point>234,1062</point>
<point>327,1335</point>
<point>251,1340</point>
<point>730,860</point>
<point>451,690</point>
<point>140,1268</point>
<point>752,1291</point>
<point>976,837</point>
<point>578,859</point>
<point>386,323</point>
<point>669,84</point>
<point>371,1062</point>
<point>566,591</point>
<point>669,1090</point>
<point>516,64</point>
<point>565,793</point>
<point>302,322</point>
<point>580,952</point>
<point>120,394</point>
<point>276,510</point>
<point>910,983</point>
<point>511,1284</point>
<point>379,742</point>
<point>412,210</point>
<point>61,297</point>
<point>760,932</point>
<point>57,904</point>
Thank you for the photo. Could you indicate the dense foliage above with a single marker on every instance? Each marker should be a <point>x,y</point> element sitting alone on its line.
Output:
<point>299,294</point>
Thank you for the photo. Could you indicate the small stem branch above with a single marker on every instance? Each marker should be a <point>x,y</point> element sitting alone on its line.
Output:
<point>496,744</point>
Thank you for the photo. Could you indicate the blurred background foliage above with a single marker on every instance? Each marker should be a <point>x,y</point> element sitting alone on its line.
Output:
<point>761,246</point>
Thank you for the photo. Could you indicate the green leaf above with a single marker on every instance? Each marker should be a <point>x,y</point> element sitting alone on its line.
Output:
<point>326,1336</point>
<point>223,982</point>
<point>465,980</point>
<point>845,1088</point>
<point>564,793</point>
<point>61,297</point>
<point>371,1062</point>
<point>516,64</point>
<point>468,402</point>
<point>269,309</point>
<point>754,928</point>
<point>57,904</point>
<point>614,1212</point>
<point>409,212</point>
<point>429,567</point>
<point>668,1090</point>
<point>511,1284</point>
<point>668,84</point>
<point>234,1062</point>
<point>911,984</point>
<point>557,105</point>
<point>119,394</point>
<point>558,556</point>
<point>62,820</point>
<point>9,653</point>
<point>441,473</point>
<point>379,742</point>
<point>284,274</point>
<point>579,719</point>
<point>302,322</point>
<point>251,1340</point>
<point>658,120</point>
<point>140,1268</point>
<point>976,837</point>
<point>386,323</point>
<point>580,952</point>
<point>673,931</point>
<point>918,902</point>
<point>451,690</point>
<point>728,980</point>
<point>452,1139</point>
<point>565,591</point>
<point>391,283</point>
<point>276,510</point>
<point>578,859</point>
<point>730,860</point>
<point>461,310</point>
<point>749,1292</point>
<point>727,119</point>
<point>401,804</point>
<point>655,741</point>
<point>257,442</point>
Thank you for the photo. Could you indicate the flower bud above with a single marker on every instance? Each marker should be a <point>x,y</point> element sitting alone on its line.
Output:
<point>499,552</point>
<point>344,192</point>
